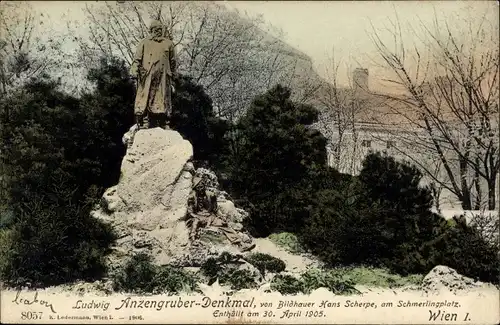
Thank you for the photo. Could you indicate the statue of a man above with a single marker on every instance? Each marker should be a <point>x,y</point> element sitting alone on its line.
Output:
<point>154,67</point>
<point>203,212</point>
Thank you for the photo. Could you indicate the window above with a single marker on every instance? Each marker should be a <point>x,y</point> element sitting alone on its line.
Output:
<point>366,143</point>
<point>391,144</point>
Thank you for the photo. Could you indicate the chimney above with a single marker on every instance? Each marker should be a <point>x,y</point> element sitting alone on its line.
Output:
<point>360,79</point>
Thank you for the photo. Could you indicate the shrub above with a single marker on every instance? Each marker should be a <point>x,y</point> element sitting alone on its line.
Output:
<point>59,152</point>
<point>376,277</point>
<point>286,284</point>
<point>193,117</point>
<point>266,262</point>
<point>211,269</point>
<point>464,249</point>
<point>139,275</point>
<point>55,246</point>
<point>273,162</point>
<point>6,244</point>
<point>381,218</point>
<point>340,231</point>
<point>311,280</point>
<point>174,280</point>
<point>238,279</point>
<point>314,279</point>
<point>225,268</point>
<point>287,240</point>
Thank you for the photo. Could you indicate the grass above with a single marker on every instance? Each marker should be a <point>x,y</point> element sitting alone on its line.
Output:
<point>341,281</point>
<point>287,241</point>
<point>376,277</point>
<point>266,263</point>
<point>140,275</point>
<point>311,280</point>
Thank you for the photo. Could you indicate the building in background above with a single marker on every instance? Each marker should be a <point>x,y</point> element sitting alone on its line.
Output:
<point>356,121</point>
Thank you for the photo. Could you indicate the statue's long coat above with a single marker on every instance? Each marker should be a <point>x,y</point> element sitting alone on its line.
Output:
<point>157,58</point>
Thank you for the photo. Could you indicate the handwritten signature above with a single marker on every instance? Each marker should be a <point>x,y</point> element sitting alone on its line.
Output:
<point>23,301</point>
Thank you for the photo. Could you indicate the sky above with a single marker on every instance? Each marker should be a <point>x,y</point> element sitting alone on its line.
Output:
<point>321,28</point>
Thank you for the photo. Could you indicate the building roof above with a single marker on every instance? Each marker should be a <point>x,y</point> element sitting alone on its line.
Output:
<point>376,108</point>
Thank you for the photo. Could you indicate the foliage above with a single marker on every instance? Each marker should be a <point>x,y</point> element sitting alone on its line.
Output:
<point>457,246</point>
<point>139,275</point>
<point>275,160</point>
<point>312,280</point>
<point>238,279</point>
<point>59,152</point>
<point>266,262</point>
<point>286,284</point>
<point>225,51</point>
<point>225,269</point>
<point>382,218</point>
<point>287,240</point>
<point>376,277</point>
<point>194,118</point>
<point>5,243</point>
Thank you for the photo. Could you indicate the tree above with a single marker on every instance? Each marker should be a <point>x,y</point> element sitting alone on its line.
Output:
<point>193,117</point>
<point>338,119</point>
<point>450,103</point>
<point>457,245</point>
<point>59,153</point>
<point>228,53</point>
<point>278,156</point>
<point>28,49</point>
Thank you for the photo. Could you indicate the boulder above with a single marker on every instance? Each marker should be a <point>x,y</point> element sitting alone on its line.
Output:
<point>444,278</point>
<point>146,205</point>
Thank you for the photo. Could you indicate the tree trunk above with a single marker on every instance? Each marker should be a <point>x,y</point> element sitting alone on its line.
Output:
<point>466,197</point>
<point>477,186</point>
<point>491,193</point>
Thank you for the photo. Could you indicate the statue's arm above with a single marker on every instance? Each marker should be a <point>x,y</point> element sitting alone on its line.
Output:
<point>192,202</point>
<point>137,62</point>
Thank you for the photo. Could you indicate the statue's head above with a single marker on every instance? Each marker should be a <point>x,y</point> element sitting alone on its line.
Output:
<point>198,183</point>
<point>156,28</point>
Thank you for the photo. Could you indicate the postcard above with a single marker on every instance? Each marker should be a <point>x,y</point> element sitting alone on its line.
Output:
<point>266,162</point>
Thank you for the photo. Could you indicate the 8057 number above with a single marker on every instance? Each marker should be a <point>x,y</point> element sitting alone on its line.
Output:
<point>31,315</point>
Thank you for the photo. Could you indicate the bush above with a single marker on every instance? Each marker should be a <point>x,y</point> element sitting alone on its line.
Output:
<point>266,262</point>
<point>59,152</point>
<point>287,240</point>
<point>314,279</point>
<point>136,276</point>
<point>376,277</point>
<point>225,268</point>
<point>381,218</point>
<point>193,117</point>
<point>463,248</point>
<point>139,275</point>
<point>6,244</point>
<point>311,280</point>
<point>286,284</point>
<point>341,231</point>
<point>238,279</point>
<point>274,159</point>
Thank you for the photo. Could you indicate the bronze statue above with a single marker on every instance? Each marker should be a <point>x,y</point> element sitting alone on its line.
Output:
<point>154,67</point>
<point>203,212</point>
